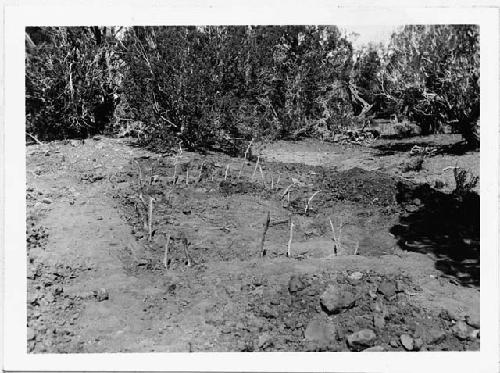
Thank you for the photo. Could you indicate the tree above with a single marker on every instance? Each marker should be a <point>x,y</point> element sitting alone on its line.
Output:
<point>210,85</point>
<point>432,73</point>
<point>364,77</point>
<point>70,81</point>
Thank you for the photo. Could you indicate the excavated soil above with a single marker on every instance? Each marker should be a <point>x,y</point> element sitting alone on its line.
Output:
<point>402,273</point>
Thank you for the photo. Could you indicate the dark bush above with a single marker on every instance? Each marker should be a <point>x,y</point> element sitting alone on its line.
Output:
<point>210,86</point>
<point>70,81</point>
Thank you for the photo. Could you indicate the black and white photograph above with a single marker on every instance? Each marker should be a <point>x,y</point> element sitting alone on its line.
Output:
<point>305,187</point>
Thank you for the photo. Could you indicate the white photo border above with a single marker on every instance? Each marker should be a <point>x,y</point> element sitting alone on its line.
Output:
<point>271,12</point>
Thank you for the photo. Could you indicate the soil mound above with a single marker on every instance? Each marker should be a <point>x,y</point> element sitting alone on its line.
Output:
<point>358,185</point>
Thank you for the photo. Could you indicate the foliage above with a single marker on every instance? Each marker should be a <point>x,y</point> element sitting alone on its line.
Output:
<point>432,74</point>
<point>208,85</point>
<point>70,81</point>
<point>465,181</point>
<point>216,85</point>
<point>365,77</point>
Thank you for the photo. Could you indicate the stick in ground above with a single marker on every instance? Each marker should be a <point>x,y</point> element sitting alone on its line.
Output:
<point>150,219</point>
<point>185,245</point>
<point>310,200</point>
<point>266,227</point>
<point>165,256</point>
<point>256,165</point>
<point>289,251</point>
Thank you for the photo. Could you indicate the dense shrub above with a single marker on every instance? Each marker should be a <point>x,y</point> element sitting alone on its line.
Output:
<point>70,81</point>
<point>208,85</point>
<point>465,181</point>
<point>212,86</point>
<point>432,72</point>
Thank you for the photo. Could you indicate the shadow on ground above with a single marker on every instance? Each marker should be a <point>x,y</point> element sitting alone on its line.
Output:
<point>440,147</point>
<point>446,225</point>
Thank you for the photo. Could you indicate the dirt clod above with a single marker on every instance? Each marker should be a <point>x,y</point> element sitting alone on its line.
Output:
<point>360,339</point>
<point>31,334</point>
<point>418,344</point>
<point>460,330</point>
<point>473,320</point>
<point>337,298</point>
<point>407,342</point>
<point>319,331</point>
<point>387,288</point>
<point>436,336</point>
<point>378,321</point>
<point>101,295</point>
<point>356,276</point>
<point>295,284</point>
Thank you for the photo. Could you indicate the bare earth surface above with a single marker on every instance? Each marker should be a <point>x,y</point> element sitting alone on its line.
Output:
<point>97,283</point>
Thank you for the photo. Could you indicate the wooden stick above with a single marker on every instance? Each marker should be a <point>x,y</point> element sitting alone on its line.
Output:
<point>272,181</point>
<point>356,248</point>
<point>289,251</point>
<point>187,177</point>
<point>198,179</point>
<point>288,197</point>
<point>242,166</point>
<point>248,149</point>
<point>262,175</point>
<point>287,190</point>
<point>175,174</point>
<point>333,229</point>
<point>186,251</point>
<point>278,181</point>
<point>266,227</point>
<point>334,238</point>
<point>256,165</point>
<point>309,201</point>
<point>278,222</point>
<point>225,174</point>
<point>140,173</point>
<point>152,176</point>
<point>150,219</point>
<point>340,231</point>
<point>142,200</point>
<point>141,215</point>
<point>34,138</point>
<point>165,256</point>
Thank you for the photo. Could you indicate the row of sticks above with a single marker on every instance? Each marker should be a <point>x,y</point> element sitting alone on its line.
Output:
<point>148,222</point>
<point>337,244</point>
<point>148,225</point>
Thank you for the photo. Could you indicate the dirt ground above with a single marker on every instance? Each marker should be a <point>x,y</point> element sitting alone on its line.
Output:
<point>401,272</point>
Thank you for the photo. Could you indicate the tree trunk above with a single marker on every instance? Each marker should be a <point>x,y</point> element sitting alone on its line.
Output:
<point>470,133</point>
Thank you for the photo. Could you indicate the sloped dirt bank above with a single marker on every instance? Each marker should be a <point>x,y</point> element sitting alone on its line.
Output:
<point>97,282</point>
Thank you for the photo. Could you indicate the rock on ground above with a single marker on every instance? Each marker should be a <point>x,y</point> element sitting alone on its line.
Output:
<point>31,334</point>
<point>407,342</point>
<point>362,338</point>
<point>461,330</point>
<point>387,288</point>
<point>319,331</point>
<point>356,276</point>
<point>337,298</point>
<point>295,284</point>
<point>378,321</point>
<point>436,336</point>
